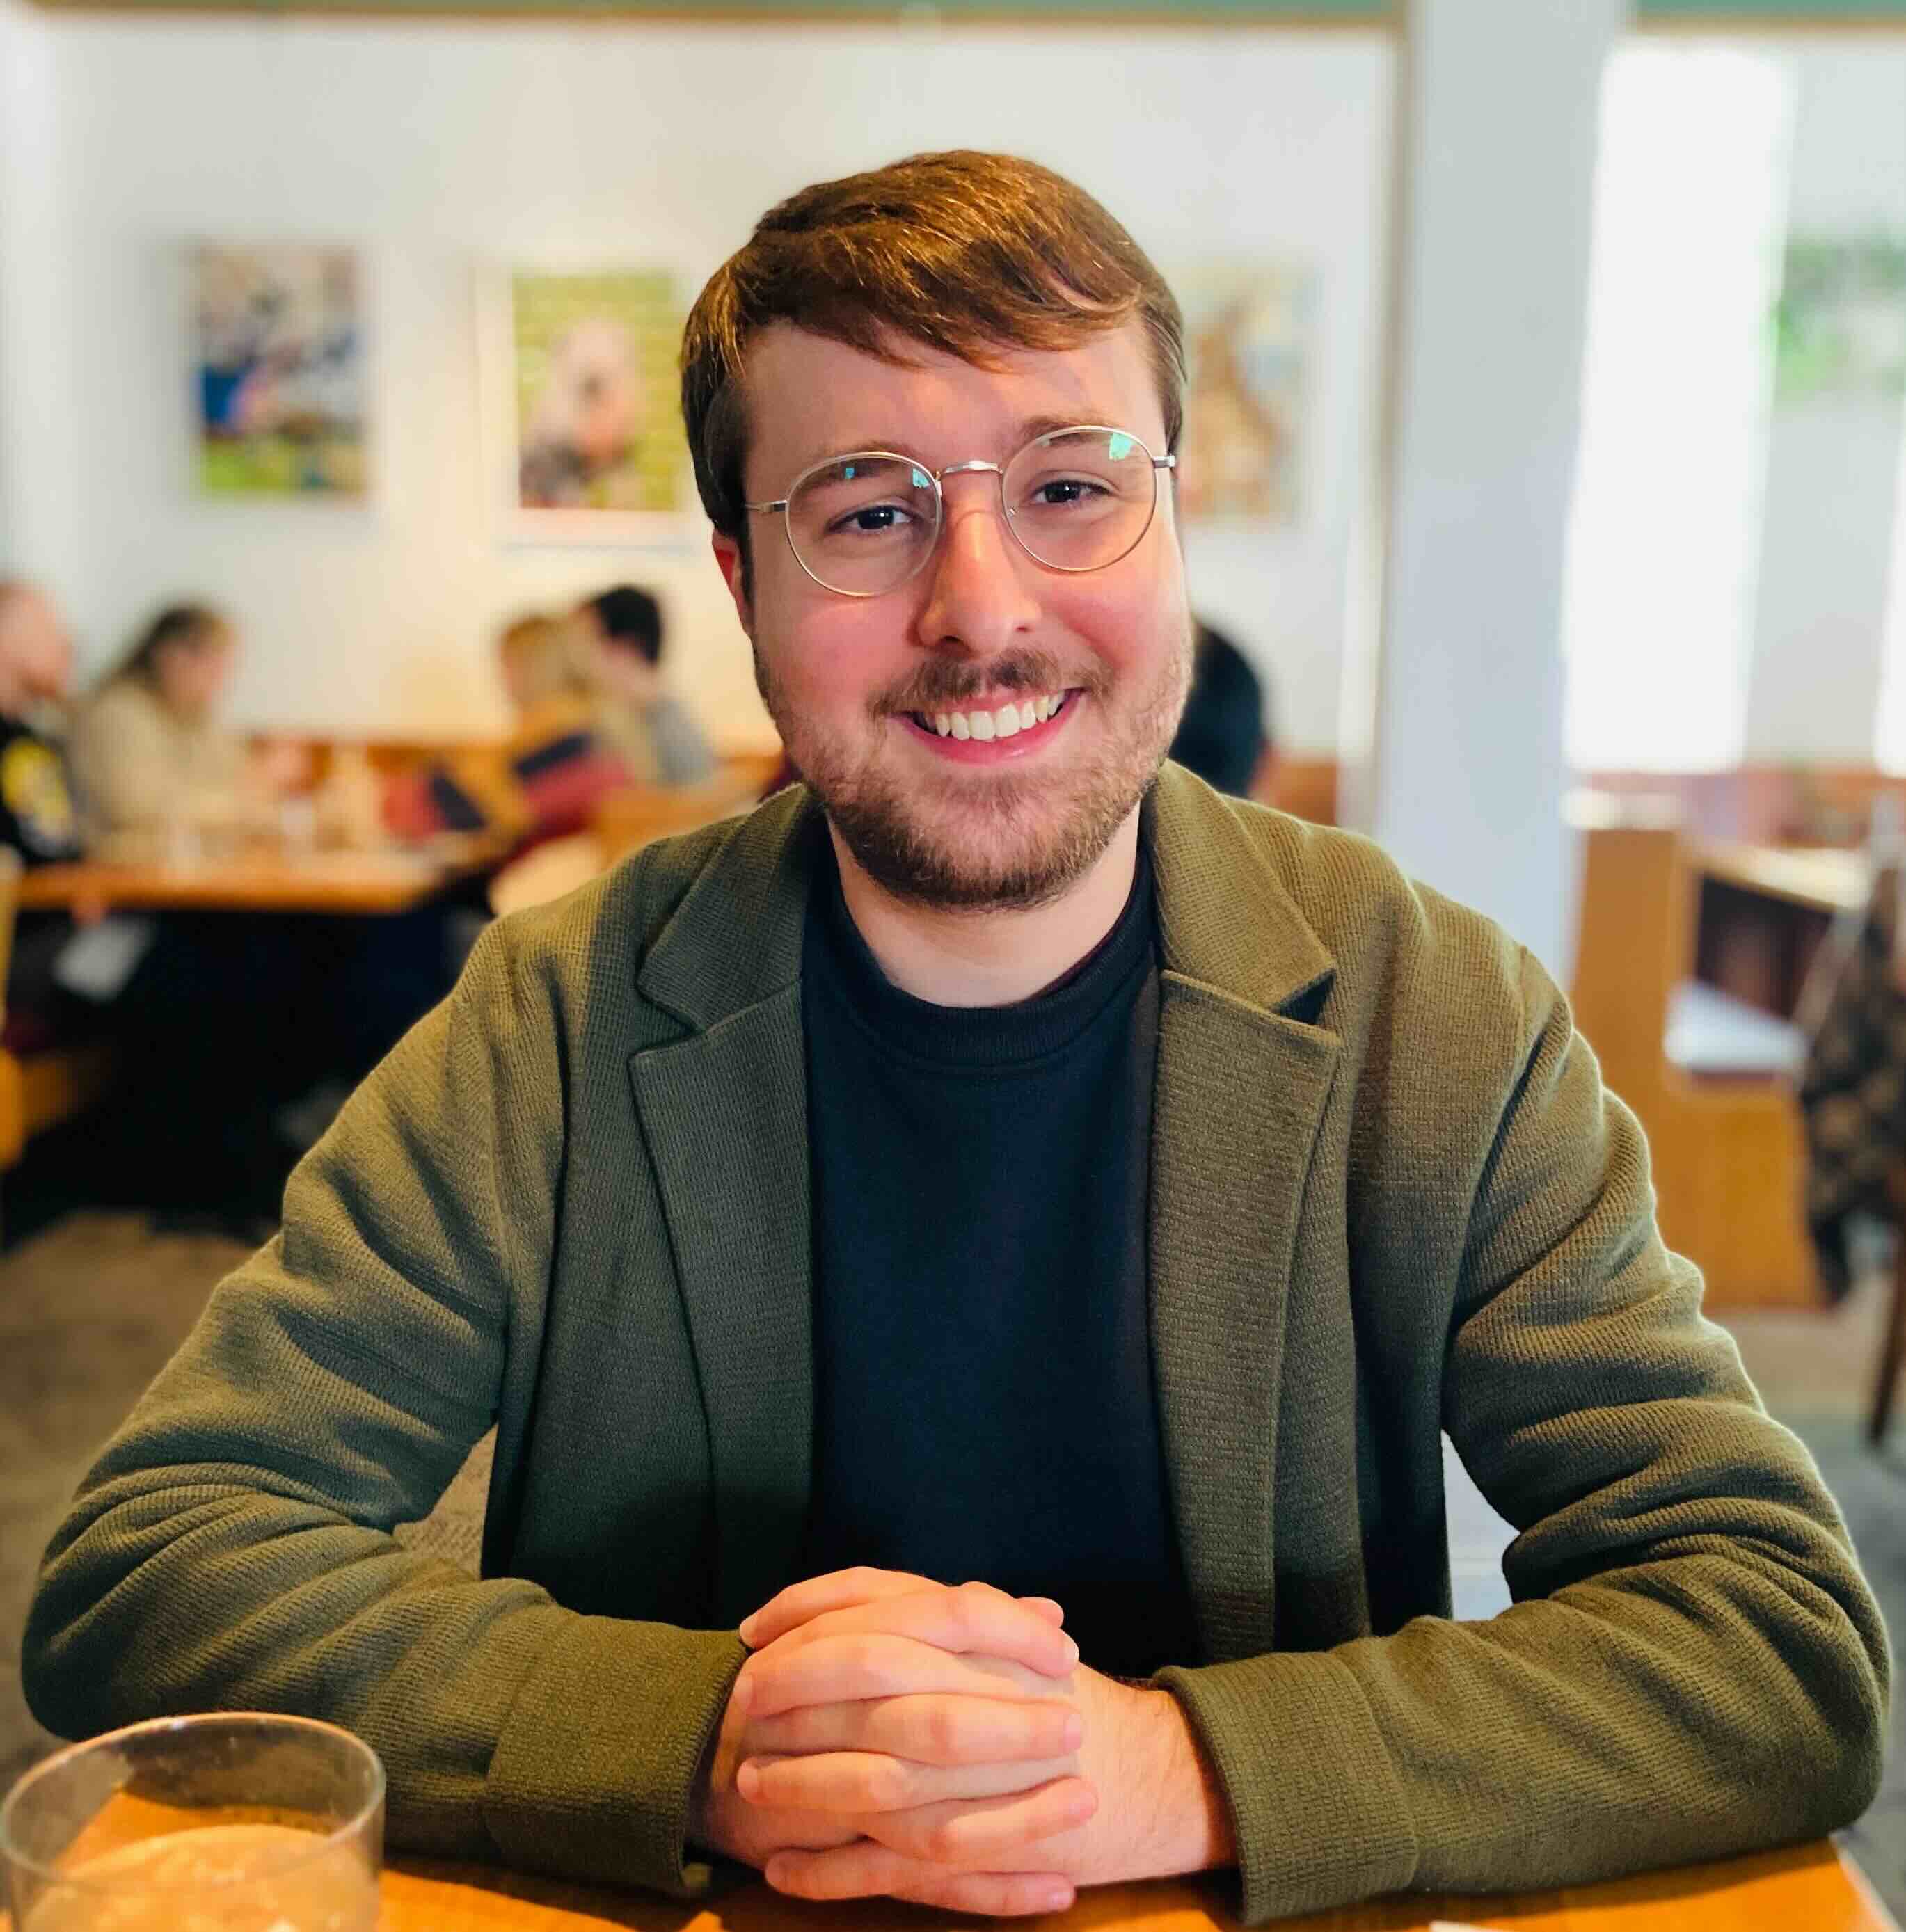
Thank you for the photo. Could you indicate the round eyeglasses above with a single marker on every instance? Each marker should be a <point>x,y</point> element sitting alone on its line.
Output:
<point>1075,500</point>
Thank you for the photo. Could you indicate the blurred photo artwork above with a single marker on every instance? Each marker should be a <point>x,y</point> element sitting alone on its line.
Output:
<point>593,394</point>
<point>279,364</point>
<point>1840,325</point>
<point>1248,327</point>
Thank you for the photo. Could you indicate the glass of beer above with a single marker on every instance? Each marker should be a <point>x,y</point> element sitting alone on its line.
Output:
<point>229,1821</point>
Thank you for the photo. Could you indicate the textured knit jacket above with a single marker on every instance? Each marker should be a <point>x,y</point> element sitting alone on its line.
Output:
<point>1389,1198</point>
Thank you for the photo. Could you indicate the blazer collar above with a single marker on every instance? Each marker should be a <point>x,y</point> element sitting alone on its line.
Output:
<point>1226,918</point>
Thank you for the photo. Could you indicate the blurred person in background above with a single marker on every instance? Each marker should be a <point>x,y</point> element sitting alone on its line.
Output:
<point>1222,736</point>
<point>560,759</point>
<point>37,820</point>
<point>37,815</point>
<point>649,727</point>
<point>152,758</point>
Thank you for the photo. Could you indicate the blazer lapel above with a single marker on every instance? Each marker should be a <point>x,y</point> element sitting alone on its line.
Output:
<point>1242,1080</point>
<point>723,1113</point>
<point>724,1117</point>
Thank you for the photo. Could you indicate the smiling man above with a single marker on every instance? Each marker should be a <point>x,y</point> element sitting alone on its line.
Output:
<point>970,1265</point>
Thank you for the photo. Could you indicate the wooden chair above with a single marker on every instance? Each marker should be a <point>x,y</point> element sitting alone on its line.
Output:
<point>1723,1130</point>
<point>44,1088</point>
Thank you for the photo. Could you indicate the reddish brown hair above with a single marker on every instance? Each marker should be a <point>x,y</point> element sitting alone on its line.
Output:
<point>964,253</point>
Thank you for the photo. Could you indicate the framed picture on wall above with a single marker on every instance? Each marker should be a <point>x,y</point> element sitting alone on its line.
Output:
<point>583,421</point>
<point>279,381</point>
<point>1248,341</point>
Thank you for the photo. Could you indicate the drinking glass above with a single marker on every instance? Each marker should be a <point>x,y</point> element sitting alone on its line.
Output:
<point>228,1822</point>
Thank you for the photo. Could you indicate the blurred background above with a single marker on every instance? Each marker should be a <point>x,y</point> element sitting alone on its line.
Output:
<point>1541,491</point>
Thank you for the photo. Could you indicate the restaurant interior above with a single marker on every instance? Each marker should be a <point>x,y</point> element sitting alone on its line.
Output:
<point>1544,479</point>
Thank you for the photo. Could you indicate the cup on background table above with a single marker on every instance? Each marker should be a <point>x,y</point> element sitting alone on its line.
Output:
<point>229,1821</point>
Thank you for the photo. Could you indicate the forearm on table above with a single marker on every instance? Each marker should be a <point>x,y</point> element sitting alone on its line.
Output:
<point>510,1728</point>
<point>1687,1709</point>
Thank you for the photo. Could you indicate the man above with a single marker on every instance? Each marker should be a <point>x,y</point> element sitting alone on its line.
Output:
<point>995,1182</point>
<point>657,739</point>
<point>37,815</point>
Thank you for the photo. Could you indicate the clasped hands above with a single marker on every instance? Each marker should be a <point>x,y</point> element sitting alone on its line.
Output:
<point>892,1735</point>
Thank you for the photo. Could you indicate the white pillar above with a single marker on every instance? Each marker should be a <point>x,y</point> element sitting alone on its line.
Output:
<point>1453,697</point>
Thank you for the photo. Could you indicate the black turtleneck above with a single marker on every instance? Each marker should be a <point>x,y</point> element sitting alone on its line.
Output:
<point>984,1401</point>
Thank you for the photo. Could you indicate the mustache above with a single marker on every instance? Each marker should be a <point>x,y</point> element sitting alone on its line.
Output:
<point>940,685</point>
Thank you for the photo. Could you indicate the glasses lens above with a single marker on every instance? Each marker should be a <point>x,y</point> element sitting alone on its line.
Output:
<point>1079,498</point>
<point>862,524</point>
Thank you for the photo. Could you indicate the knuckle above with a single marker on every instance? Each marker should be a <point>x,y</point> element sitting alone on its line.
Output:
<point>942,1731</point>
<point>943,1840</point>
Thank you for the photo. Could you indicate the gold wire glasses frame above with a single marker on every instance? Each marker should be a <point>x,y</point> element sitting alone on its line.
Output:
<point>862,523</point>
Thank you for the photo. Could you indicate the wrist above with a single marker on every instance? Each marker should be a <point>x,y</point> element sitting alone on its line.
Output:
<point>1195,1832</point>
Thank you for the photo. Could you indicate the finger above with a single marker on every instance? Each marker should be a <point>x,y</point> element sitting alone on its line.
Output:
<point>928,1729</point>
<point>974,1618</point>
<point>841,1589</point>
<point>867,1870</point>
<point>815,1595</point>
<point>854,1782</point>
<point>843,1668</point>
<point>980,1834</point>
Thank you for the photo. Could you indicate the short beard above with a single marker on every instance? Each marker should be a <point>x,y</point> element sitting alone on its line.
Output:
<point>895,840</point>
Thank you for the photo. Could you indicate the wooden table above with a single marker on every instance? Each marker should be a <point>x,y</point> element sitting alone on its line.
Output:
<point>1808,1889</point>
<point>1763,911</point>
<point>332,883</point>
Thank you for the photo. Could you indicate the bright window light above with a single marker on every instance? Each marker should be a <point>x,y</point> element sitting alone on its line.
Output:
<point>1690,219</point>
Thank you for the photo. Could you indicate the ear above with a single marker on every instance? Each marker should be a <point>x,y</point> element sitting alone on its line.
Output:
<point>727,557</point>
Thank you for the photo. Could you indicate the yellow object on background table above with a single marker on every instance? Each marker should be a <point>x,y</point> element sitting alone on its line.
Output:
<point>1806,1888</point>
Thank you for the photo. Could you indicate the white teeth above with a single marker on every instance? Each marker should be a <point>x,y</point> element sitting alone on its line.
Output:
<point>1005,722</point>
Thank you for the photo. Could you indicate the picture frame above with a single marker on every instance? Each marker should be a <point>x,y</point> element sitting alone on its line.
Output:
<point>278,350</point>
<point>579,401</point>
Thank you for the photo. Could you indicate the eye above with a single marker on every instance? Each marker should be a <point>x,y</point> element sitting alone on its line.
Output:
<point>872,519</point>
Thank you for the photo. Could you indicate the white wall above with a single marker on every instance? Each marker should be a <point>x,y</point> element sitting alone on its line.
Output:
<point>437,145</point>
<point>37,469</point>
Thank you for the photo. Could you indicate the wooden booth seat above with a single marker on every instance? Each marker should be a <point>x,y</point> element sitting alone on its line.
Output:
<point>1710,1079</point>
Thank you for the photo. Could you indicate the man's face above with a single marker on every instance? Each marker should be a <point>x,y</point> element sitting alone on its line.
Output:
<point>34,644</point>
<point>854,685</point>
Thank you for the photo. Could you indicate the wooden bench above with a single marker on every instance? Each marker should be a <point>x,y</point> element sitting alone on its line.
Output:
<point>1709,1078</point>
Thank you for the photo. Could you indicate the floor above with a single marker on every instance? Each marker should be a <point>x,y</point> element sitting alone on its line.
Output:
<point>92,1305</point>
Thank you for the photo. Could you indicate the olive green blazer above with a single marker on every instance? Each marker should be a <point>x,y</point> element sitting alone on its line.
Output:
<point>1389,1199</point>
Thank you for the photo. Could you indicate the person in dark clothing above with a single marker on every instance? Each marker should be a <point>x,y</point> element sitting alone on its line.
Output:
<point>1225,733</point>
<point>36,816</point>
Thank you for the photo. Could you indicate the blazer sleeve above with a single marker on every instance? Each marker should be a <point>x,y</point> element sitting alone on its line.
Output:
<point>1692,1665</point>
<point>231,1546</point>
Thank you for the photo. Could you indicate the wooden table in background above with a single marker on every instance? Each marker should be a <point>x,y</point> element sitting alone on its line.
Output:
<point>329,883</point>
<point>1805,1889</point>
<point>1763,910</point>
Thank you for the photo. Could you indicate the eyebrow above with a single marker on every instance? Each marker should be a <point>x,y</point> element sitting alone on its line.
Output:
<point>1028,429</point>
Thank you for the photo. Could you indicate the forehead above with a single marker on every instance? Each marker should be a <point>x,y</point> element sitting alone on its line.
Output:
<point>810,397</point>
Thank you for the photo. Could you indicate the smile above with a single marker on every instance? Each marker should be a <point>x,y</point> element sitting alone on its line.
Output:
<point>1006,721</point>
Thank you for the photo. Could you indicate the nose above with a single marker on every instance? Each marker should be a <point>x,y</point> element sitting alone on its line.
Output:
<point>980,593</point>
